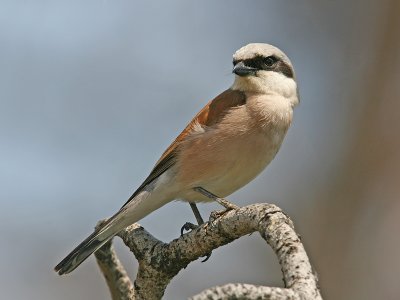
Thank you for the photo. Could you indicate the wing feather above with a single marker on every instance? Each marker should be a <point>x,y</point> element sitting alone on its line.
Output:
<point>210,115</point>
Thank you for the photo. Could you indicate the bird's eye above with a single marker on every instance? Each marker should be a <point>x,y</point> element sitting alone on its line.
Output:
<point>270,61</point>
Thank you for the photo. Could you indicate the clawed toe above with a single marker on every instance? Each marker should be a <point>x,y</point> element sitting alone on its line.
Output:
<point>208,255</point>
<point>216,214</point>
<point>187,227</point>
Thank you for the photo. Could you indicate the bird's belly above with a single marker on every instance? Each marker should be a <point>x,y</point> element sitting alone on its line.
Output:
<point>225,166</point>
<point>239,174</point>
<point>245,165</point>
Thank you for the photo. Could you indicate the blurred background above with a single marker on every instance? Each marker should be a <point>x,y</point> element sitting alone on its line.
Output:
<point>92,92</point>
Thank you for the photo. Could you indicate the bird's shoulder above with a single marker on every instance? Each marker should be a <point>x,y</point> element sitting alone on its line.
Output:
<point>211,114</point>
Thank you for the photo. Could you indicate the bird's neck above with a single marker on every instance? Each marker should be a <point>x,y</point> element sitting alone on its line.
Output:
<point>269,84</point>
<point>269,111</point>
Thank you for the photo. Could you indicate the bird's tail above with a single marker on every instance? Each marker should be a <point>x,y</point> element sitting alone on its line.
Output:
<point>137,208</point>
<point>92,243</point>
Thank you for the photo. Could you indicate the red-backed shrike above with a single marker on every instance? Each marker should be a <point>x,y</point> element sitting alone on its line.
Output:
<point>227,144</point>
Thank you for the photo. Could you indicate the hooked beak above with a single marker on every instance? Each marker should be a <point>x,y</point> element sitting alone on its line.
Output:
<point>241,69</point>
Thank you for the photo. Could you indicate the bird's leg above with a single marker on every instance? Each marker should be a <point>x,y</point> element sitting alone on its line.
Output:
<point>190,226</point>
<point>196,213</point>
<point>225,203</point>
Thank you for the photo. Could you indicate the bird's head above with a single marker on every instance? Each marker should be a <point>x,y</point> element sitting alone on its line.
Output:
<point>263,68</point>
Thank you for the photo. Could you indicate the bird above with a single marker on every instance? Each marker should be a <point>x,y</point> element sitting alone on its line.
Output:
<point>225,146</point>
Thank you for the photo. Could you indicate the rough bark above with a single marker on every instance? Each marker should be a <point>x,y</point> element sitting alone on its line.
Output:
<point>160,262</point>
<point>119,284</point>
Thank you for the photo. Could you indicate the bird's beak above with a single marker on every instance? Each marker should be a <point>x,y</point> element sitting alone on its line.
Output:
<point>241,69</point>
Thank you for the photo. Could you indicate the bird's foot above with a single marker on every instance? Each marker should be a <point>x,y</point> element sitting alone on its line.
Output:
<point>216,214</point>
<point>187,227</point>
<point>190,226</point>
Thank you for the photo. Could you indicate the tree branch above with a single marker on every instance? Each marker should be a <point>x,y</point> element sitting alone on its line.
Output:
<point>159,262</point>
<point>119,284</point>
<point>246,291</point>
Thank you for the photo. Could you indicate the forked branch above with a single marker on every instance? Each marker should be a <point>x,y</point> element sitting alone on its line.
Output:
<point>160,262</point>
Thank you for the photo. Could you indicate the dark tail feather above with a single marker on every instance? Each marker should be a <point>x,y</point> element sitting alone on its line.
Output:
<point>138,208</point>
<point>87,247</point>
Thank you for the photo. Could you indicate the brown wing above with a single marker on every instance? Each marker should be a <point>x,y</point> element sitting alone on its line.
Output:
<point>211,114</point>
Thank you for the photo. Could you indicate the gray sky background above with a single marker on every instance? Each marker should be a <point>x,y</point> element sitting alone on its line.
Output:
<point>92,92</point>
